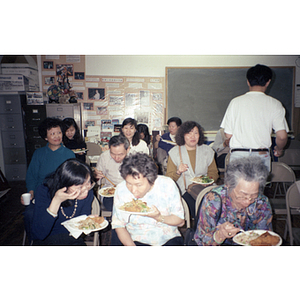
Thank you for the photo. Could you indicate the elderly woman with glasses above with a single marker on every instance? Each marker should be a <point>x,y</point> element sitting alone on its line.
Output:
<point>66,194</point>
<point>238,204</point>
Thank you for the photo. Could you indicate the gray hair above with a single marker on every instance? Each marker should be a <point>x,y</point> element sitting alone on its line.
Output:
<point>248,168</point>
<point>118,140</point>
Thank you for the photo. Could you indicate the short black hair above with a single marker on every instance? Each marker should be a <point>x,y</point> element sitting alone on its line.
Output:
<point>139,163</point>
<point>47,124</point>
<point>259,75</point>
<point>176,120</point>
<point>186,127</point>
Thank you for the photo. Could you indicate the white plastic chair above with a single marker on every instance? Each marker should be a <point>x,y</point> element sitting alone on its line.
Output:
<point>95,211</point>
<point>201,195</point>
<point>186,213</point>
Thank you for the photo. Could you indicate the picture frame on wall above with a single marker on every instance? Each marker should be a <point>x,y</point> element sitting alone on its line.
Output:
<point>61,68</point>
<point>48,64</point>
<point>79,75</point>
<point>96,93</point>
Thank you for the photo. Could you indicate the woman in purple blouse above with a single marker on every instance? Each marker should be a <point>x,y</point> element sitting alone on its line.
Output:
<point>238,204</point>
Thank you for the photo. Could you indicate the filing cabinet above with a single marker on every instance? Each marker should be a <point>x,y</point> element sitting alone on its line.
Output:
<point>33,115</point>
<point>12,136</point>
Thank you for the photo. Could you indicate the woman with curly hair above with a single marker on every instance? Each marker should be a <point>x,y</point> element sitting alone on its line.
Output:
<point>189,159</point>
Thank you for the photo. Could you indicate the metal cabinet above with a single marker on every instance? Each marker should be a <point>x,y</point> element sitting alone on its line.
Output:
<point>62,111</point>
<point>33,115</point>
<point>12,136</point>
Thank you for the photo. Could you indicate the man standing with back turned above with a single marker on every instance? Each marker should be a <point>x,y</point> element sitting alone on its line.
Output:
<point>250,118</point>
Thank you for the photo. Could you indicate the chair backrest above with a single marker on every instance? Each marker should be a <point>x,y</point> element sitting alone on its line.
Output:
<point>291,157</point>
<point>186,213</point>
<point>281,172</point>
<point>293,195</point>
<point>201,195</point>
<point>95,207</point>
<point>94,149</point>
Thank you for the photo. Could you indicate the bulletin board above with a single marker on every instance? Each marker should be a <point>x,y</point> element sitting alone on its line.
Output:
<point>107,100</point>
<point>203,94</point>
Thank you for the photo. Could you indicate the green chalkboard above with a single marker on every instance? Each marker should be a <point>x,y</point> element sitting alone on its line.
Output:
<point>203,94</point>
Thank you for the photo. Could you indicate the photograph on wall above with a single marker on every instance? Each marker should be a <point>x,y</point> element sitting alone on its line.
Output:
<point>88,123</point>
<point>131,99</point>
<point>157,96</point>
<point>48,64</point>
<point>79,75</point>
<point>106,125</point>
<point>64,69</point>
<point>34,98</point>
<point>50,80</point>
<point>79,95</point>
<point>96,94</point>
<point>144,98</point>
<point>142,116</point>
<point>102,110</point>
<point>115,100</point>
<point>88,106</point>
<point>117,128</point>
<point>115,121</point>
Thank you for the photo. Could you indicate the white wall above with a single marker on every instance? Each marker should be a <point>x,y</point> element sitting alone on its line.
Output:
<point>154,65</point>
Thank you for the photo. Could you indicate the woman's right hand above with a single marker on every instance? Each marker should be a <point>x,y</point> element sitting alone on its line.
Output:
<point>182,168</point>
<point>64,194</point>
<point>227,230</point>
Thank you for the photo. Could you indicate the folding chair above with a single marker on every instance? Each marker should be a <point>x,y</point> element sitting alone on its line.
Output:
<point>293,207</point>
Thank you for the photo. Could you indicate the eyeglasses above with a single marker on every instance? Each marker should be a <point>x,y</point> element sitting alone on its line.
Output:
<point>87,187</point>
<point>246,198</point>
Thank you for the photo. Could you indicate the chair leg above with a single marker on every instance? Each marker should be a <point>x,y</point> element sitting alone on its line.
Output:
<point>24,238</point>
<point>286,229</point>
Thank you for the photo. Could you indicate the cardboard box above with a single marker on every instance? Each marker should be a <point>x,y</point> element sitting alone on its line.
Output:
<point>13,83</point>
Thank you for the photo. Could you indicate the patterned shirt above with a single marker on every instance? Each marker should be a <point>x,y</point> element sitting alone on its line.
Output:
<point>165,196</point>
<point>217,208</point>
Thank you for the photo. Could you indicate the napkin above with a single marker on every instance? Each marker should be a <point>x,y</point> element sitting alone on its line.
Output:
<point>70,225</point>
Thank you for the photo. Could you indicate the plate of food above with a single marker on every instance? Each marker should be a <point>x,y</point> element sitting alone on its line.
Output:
<point>203,179</point>
<point>258,238</point>
<point>86,223</point>
<point>79,150</point>
<point>136,207</point>
<point>107,192</point>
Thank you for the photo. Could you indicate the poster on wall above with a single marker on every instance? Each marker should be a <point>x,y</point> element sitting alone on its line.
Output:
<point>96,94</point>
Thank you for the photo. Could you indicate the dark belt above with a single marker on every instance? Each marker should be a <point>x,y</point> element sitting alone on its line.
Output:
<point>249,150</point>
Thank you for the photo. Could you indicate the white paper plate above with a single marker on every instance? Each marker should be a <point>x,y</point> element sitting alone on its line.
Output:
<point>79,151</point>
<point>203,183</point>
<point>238,239</point>
<point>74,224</point>
<point>102,192</point>
<point>136,213</point>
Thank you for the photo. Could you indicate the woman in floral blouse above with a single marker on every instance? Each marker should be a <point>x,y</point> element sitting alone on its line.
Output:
<point>238,204</point>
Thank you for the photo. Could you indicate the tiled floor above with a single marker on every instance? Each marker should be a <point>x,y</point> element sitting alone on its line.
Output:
<point>12,227</point>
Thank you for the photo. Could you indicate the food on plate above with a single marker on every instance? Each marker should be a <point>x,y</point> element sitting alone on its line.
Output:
<point>108,191</point>
<point>203,179</point>
<point>79,150</point>
<point>136,206</point>
<point>246,238</point>
<point>91,223</point>
<point>266,239</point>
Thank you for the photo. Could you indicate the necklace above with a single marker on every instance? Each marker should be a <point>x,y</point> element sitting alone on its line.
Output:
<point>73,214</point>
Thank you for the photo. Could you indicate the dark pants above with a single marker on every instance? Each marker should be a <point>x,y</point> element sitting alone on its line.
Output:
<point>191,204</point>
<point>108,203</point>
<point>176,241</point>
<point>62,239</point>
<point>28,216</point>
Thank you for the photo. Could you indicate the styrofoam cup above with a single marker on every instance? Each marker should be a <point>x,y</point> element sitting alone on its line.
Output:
<point>26,198</point>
